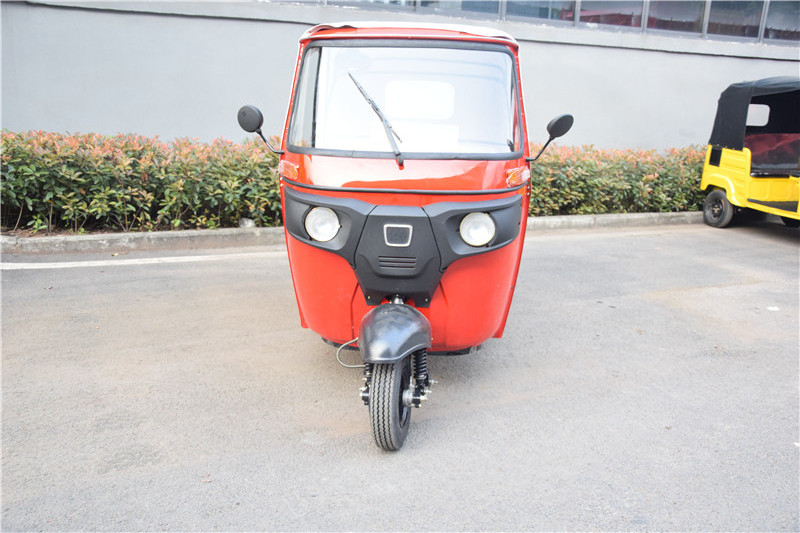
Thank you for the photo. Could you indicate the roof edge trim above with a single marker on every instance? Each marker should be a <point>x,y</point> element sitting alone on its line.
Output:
<point>475,31</point>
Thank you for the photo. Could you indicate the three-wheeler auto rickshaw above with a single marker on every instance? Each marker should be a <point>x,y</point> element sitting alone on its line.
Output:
<point>753,155</point>
<point>405,182</point>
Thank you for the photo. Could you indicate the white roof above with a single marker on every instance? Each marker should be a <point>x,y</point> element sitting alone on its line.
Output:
<point>479,31</point>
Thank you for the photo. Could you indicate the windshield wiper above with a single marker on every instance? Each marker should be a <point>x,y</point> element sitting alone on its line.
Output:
<point>390,133</point>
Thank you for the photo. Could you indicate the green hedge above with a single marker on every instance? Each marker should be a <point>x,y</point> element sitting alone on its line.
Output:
<point>586,180</point>
<point>131,183</point>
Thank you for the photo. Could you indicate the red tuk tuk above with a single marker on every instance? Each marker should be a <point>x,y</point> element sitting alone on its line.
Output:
<point>405,181</point>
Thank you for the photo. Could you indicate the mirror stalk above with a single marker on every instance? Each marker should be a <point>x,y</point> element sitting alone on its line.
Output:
<point>532,159</point>
<point>556,128</point>
<point>271,148</point>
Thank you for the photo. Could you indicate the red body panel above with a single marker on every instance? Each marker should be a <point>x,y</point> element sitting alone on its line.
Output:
<point>417,174</point>
<point>471,302</point>
<point>469,306</point>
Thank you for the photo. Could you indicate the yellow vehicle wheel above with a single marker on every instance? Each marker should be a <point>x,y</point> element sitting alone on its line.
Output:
<point>717,209</point>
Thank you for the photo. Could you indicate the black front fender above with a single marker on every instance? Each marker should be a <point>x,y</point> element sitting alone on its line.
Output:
<point>390,332</point>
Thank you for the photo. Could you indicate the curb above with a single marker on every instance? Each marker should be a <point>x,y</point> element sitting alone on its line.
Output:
<point>156,240</point>
<point>614,220</point>
<point>238,237</point>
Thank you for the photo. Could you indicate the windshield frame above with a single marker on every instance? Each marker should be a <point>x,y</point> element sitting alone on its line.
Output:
<point>415,43</point>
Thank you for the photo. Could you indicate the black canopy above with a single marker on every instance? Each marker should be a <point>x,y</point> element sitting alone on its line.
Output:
<point>781,94</point>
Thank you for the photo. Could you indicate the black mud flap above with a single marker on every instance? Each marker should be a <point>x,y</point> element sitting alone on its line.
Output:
<point>390,332</point>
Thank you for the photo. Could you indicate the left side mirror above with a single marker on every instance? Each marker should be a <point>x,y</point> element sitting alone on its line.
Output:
<point>556,128</point>
<point>560,125</point>
<point>251,119</point>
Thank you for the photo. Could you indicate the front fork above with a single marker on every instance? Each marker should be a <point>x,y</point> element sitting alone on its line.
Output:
<point>389,333</point>
<point>416,393</point>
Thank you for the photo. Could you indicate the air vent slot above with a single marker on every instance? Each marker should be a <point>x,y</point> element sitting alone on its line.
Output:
<point>408,263</point>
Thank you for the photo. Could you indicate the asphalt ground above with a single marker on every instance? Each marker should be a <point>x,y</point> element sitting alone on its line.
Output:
<point>647,380</point>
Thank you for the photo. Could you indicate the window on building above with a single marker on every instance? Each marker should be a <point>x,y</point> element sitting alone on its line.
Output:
<point>376,4</point>
<point>475,6</point>
<point>553,10</point>
<point>676,16</point>
<point>614,13</point>
<point>783,21</point>
<point>780,19</point>
<point>734,18</point>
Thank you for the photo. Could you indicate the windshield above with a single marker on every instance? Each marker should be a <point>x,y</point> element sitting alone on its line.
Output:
<point>436,101</point>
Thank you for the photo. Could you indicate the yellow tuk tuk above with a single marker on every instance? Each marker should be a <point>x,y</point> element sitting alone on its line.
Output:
<point>753,155</point>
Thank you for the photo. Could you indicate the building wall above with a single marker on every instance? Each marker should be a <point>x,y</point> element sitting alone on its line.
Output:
<point>182,69</point>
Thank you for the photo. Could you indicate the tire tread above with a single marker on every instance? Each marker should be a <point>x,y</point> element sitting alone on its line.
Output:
<point>383,400</point>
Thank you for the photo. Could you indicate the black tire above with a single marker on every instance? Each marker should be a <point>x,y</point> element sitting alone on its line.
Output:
<point>388,416</point>
<point>791,222</point>
<point>717,210</point>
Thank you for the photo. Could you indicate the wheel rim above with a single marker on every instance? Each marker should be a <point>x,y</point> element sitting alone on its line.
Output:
<point>715,209</point>
<point>404,411</point>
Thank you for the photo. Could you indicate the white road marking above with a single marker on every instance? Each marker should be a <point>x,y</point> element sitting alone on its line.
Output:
<point>140,261</point>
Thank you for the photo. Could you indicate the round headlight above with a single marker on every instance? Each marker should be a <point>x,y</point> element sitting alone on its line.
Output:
<point>322,224</point>
<point>477,229</point>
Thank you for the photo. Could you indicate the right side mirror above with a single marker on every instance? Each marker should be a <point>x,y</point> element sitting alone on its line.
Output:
<point>560,125</point>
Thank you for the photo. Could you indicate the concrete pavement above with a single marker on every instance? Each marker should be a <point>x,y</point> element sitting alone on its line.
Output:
<point>647,380</point>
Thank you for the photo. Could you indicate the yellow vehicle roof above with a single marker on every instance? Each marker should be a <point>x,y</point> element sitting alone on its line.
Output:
<point>781,94</point>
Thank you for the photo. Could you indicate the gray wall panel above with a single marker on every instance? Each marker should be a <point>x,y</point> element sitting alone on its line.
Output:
<point>185,70</point>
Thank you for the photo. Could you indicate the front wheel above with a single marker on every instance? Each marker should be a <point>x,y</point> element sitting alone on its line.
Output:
<point>717,209</point>
<point>388,413</point>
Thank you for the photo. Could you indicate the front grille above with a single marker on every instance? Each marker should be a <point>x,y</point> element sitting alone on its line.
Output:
<point>409,263</point>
